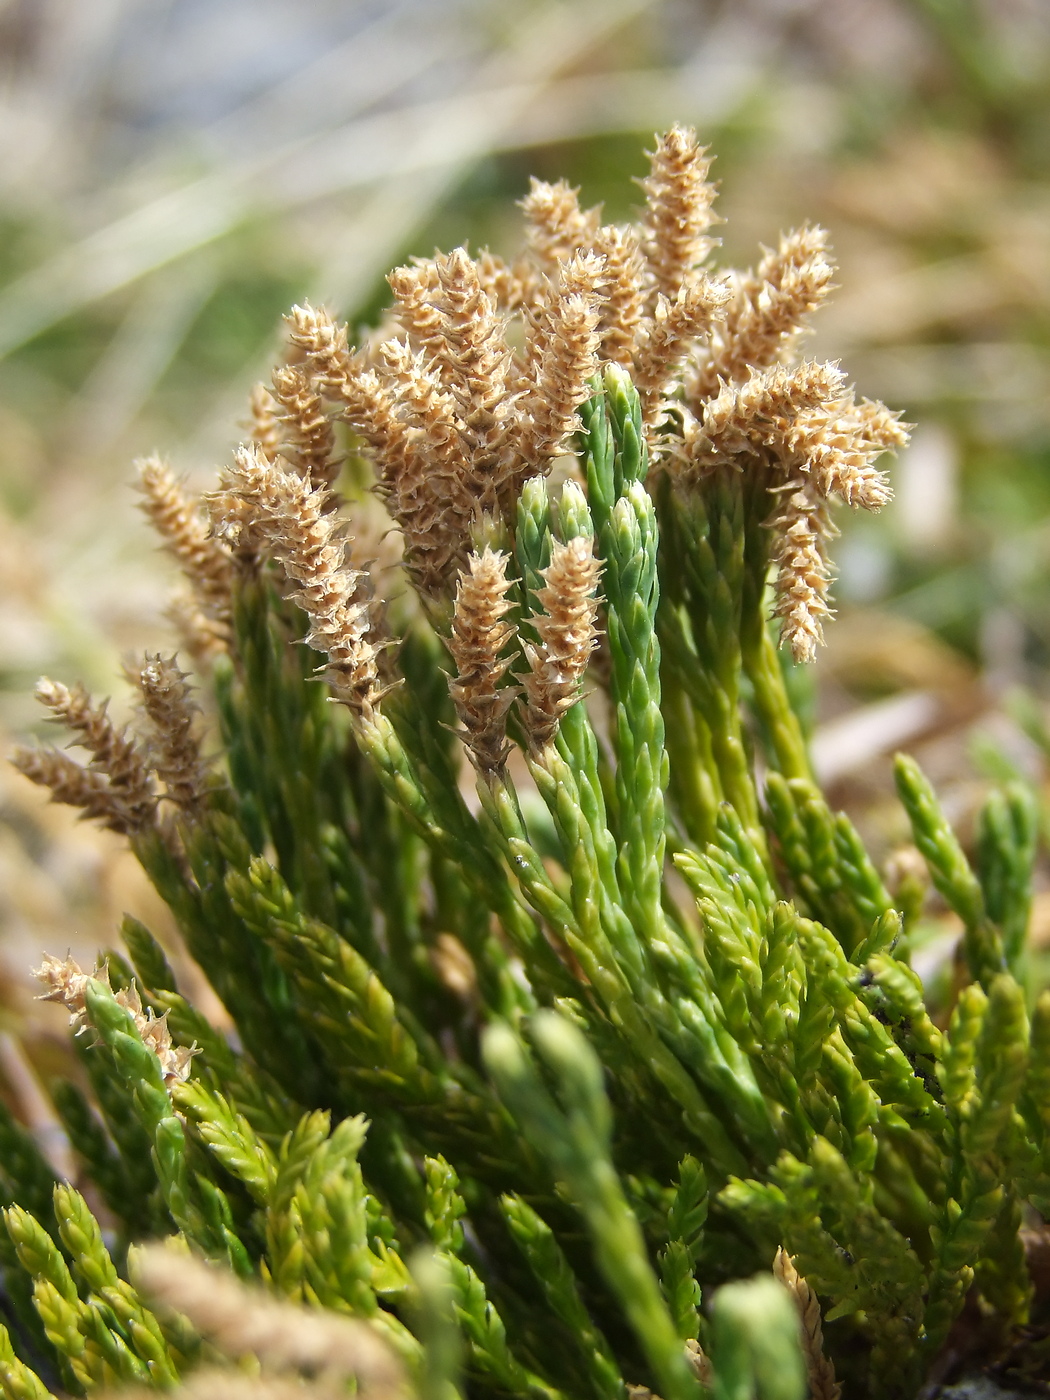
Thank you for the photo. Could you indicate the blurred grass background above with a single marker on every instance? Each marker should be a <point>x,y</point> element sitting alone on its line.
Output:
<point>174,173</point>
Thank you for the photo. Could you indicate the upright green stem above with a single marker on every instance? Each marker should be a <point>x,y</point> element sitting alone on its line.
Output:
<point>778,720</point>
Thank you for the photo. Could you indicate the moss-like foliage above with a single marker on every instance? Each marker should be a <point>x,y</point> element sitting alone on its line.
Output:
<point>606,1038</point>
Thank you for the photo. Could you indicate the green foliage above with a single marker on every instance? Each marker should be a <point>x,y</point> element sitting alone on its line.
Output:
<point>644,1093</point>
<point>754,1343</point>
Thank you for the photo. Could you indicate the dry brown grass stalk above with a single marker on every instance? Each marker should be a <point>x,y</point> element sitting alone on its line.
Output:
<point>243,1321</point>
<point>821,1372</point>
<point>698,1362</point>
<point>225,1383</point>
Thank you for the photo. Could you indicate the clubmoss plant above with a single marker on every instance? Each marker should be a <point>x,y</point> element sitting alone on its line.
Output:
<point>532,1073</point>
